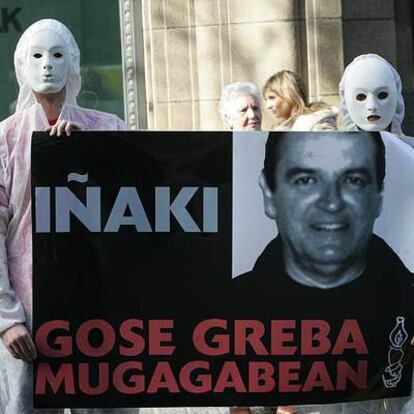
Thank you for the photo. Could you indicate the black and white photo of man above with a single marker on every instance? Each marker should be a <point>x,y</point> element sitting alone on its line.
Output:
<point>324,191</point>
<point>325,194</point>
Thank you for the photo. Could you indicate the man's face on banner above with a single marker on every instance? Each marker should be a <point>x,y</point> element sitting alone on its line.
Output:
<point>371,95</point>
<point>326,198</point>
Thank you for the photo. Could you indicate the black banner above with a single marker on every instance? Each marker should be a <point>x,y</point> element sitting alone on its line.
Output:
<point>134,300</point>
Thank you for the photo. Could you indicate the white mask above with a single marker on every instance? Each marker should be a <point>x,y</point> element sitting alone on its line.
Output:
<point>47,63</point>
<point>371,94</point>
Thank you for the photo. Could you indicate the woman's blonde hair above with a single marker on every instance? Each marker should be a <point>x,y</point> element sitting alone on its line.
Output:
<point>290,87</point>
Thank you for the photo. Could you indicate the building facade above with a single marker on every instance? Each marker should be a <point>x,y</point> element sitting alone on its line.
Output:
<point>161,64</point>
<point>178,54</point>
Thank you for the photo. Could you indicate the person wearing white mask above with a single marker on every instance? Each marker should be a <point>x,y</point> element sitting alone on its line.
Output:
<point>371,97</point>
<point>371,100</point>
<point>47,65</point>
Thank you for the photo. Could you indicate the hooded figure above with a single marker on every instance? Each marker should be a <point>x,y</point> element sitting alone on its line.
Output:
<point>371,97</point>
<point>47,66</point>
<point>26,97</point>
<point>371,100</point>
<point>47,62</point>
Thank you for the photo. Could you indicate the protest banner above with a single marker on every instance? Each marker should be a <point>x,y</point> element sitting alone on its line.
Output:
<point>135,304</point>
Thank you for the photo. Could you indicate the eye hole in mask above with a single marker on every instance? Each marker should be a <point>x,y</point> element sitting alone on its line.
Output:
<point>383,95</point>
<point>361,97</point>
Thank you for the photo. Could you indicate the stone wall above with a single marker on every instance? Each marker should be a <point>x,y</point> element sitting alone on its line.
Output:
<point>192,48</point>
<point>195,47</point>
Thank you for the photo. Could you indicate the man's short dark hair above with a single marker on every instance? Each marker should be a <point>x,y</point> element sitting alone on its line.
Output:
<point>275,139</point>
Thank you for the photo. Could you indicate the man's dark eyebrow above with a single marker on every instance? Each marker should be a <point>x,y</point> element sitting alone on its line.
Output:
<point>292,172</point>
<point>362,170</point>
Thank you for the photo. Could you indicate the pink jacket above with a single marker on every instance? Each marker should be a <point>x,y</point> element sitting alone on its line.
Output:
<point>15,202</point>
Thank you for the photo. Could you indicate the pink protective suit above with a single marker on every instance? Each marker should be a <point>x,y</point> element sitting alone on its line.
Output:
<point>15,209</point>
<point>15,143</point>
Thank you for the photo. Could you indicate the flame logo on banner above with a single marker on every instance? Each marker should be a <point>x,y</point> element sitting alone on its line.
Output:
<point>393,371</point>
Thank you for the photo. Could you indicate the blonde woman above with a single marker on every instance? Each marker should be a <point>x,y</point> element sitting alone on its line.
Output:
<point>285,98</point>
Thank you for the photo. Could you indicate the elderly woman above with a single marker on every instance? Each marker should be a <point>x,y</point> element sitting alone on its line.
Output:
<point>240,106</point>
<point>371,100</point>
<point>47,65</point>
